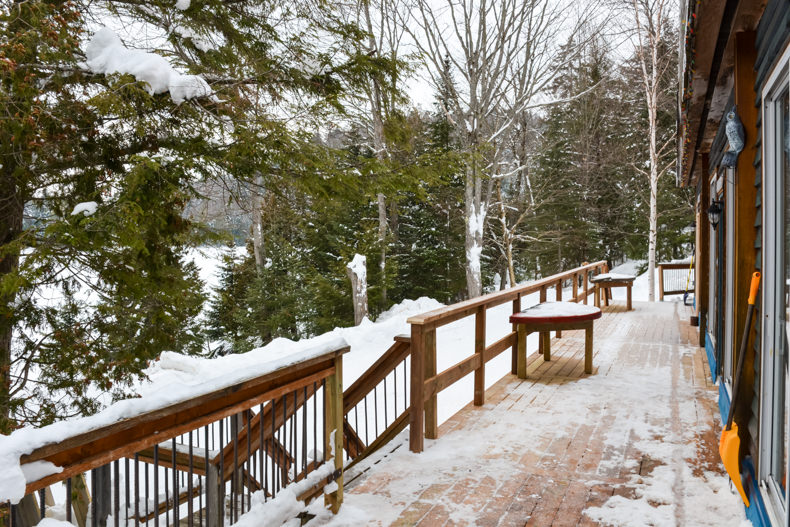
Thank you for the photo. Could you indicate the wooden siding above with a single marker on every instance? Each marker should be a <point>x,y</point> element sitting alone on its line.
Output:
<point>773,32</point>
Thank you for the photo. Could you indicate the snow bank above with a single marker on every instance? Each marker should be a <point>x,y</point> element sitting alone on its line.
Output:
<point>107,54</point>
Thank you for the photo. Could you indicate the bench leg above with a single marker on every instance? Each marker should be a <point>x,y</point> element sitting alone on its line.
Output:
<point>597,295</point>
<point>588,349</point>
<point>606,292</point>
<point>628,297</point>
<point>545,337</point>
<point>521,359</point>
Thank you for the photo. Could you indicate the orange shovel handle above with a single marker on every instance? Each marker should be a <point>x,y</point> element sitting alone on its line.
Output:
<point>754,287</point>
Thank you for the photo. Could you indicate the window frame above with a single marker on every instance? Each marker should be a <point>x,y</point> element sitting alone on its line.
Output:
<point>773,206</point>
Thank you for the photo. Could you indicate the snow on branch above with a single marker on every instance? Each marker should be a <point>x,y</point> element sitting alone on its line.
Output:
<point>107,54</point>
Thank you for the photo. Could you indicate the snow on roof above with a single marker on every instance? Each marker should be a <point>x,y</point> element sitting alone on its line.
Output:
<point>174,378</point>
<point>107,54</point>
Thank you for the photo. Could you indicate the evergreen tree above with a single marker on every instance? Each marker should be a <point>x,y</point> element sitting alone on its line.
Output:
<point>135,147</point>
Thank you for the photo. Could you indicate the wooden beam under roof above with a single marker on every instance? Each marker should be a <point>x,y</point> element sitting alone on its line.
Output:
<point>712,81</point>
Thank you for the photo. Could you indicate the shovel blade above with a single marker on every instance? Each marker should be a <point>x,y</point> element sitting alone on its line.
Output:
<point>729,446</point>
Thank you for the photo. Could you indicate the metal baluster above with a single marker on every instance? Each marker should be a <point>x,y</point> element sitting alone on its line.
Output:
<point>156,488</point>
<point>137,491</point>
<point>385,402</point>
<point>234,483</point>
<point>190,512</point>
<point>315,424</point>
<point>42,498</point>
<point>405,387</point>
<point>94,501</point>
<point>68,500</point>
<point>249,455</point>
<point>323,398</point>
<point>126,490</point>
<point>116,511</point>
<point>147,499</point>
<point>367,422</point>
<point>376,411</point>
<point>294,449</point>
<point>395,390</point>
<point>202,488</point>
<point>221,481</point>
<point>167,499</point>
<point>283,442</point>
<point>356,419</point>
<point>274,473</point>
<point>304,432</point>
<point>13,516</point>
<point>260,452</point>
<point>176,489</point>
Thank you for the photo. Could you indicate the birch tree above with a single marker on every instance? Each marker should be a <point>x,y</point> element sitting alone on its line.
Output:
<point>650,20</point>
<point>502,57</point>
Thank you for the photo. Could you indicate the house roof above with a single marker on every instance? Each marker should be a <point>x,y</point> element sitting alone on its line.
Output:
<point>706,73</point>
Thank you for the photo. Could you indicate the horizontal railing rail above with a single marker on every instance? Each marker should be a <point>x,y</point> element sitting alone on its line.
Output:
<point>199,461</point>
<point>426,383</point>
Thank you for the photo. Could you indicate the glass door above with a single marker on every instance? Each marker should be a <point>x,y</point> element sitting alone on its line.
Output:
<point>776,294</point>
<point>716,273</point>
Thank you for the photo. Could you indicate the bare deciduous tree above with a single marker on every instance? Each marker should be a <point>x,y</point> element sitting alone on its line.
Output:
<point>650,18</point>
<point>502,57</point>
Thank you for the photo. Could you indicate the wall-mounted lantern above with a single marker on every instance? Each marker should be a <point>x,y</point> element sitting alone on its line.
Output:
<point>714,213</point>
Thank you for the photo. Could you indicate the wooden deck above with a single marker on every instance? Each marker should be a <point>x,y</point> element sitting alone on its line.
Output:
<point>542,451</point>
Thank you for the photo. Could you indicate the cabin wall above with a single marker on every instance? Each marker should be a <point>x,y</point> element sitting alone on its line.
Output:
<point>760,50</point>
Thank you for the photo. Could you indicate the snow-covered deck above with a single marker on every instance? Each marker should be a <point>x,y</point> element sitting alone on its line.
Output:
<point>635,443</point>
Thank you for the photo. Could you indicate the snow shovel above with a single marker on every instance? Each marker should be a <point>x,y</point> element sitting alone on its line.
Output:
<point>730,443</point>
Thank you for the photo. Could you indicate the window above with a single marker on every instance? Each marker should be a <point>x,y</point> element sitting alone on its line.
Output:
<point>776,290</point>
<point>717,269</point>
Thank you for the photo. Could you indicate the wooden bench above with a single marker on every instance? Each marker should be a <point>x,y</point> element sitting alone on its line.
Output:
<point>605,282</point>
<point>554,316</point>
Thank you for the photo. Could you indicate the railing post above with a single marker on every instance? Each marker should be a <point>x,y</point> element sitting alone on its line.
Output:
<point>514,360</point>
<point>417,389</point>
<point>586,290</point>
<point>576,287</point>
<point>215,496</point>
<point>27,512</point>
<point>541,344</point>
<point>333,423</point>
<point>660,283</point>
<point>559,299</point>
<point>101,505</point>
<point>480,347</point>
<point>431,409</point>
<point>80,499</point>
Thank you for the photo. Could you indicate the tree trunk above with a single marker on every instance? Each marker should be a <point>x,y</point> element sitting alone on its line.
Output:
<point>475,219</point>
<point>357,273</point>
<point>378,145</point>
<point>652,233</point>
<point>11,208</point>
<point>258,249</point>
<point>383,246</point>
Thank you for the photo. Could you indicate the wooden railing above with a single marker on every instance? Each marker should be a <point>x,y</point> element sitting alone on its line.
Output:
<point>215,450</point>
<point>208,454</point>
<point>375,411</point>
<point>426,383</point>
<point>673,278</point>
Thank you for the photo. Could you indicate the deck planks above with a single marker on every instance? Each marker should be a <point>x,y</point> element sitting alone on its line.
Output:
<point>563,472</point>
